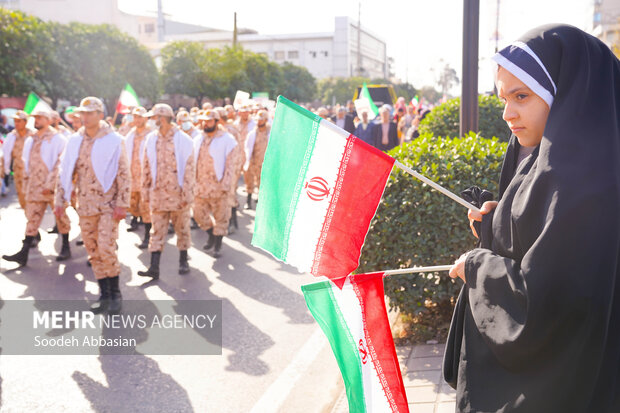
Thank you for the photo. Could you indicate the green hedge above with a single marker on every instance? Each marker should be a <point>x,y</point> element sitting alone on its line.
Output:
<point>417,226</point>
<point>444,119</point>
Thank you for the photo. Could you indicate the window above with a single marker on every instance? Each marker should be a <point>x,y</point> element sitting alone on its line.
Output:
<point>325,53</point>
<point>312,53</point>
<point>279,55</point>
<point>293,54</point>
<point>149,28</point>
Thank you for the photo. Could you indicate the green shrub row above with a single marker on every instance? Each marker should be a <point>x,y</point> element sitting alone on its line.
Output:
<point>418,226</point>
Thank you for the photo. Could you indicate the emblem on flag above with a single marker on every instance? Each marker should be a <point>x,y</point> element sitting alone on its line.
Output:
<point>363,351</point>
<point>317,189</point>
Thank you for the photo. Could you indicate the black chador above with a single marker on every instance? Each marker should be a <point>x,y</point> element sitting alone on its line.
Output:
<point>540,312</point>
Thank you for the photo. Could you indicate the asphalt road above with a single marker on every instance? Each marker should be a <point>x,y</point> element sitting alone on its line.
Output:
<point>274,358</point>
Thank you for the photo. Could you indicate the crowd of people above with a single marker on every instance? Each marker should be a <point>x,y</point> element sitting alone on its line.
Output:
<point>391,127</point>
<point>169,171</point>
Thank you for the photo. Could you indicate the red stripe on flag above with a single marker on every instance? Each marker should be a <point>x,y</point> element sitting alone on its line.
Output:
<point>380,344</point>
<point>363,173</point>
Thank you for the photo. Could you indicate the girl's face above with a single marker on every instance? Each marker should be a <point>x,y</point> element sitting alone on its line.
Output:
<point>525,112</point>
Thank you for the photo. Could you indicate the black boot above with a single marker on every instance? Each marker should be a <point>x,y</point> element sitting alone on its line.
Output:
<point>248,203</point>
<point>103,302</point>
<point>153,270</point>
<point>211,241</point>
<point>133,225</point>
<point>36,240</point>
<point>194,224</point>
<point>218,246</point>
<point>232,224</point>
<point>79,242</point>
<point>22,256</point>
<point>65,251</point>
<point>116,299</point>
<point>147,236</point>
<point>53,230</point>
<point>183,265</point>
<point>170,229</point>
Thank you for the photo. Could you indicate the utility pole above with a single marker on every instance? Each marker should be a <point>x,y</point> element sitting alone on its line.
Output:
<point>235,31</point>
<point>160,23</point>
<point>469,86</point>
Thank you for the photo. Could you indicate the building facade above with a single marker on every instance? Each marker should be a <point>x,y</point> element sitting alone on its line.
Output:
<point>350,50</point>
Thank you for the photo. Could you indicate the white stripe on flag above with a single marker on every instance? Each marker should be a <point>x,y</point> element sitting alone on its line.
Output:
<point>310,214</point>
<point>351,310</point>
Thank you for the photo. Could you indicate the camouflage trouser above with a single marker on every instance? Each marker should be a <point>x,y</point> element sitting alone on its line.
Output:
<point>34,214</point>
<point>213,213</point>
<point>18,178</point>
<point>180,221</point>
<point>138,208</point>
<point>100,233</point>
<point>252,177</point>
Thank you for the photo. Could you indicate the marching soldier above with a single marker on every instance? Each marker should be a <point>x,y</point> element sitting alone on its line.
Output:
<point>41,156</point>
<point>168,185</point>
<point>134,144</point>
<point>214,165</point>
<point>184,120</point>
<point>237,160</point>
<point>255,147</point>
<point>95,163</point>
<point>244,125</point>
<point>12,151</point>
<point>56,124</point>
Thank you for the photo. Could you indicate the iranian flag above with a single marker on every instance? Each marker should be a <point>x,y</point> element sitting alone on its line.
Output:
<point>126,100</point>
<point>354,319</point>
<point>320,188</point>
<point>34,103</point>
<point>365,93</point>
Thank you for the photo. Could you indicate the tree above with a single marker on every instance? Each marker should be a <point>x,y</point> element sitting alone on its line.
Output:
<point>297,83</point>
<point>339,89</point>
<point>187,69</point>
<point>21,52</point>
<point>430,94</point>
<point>447,78</point>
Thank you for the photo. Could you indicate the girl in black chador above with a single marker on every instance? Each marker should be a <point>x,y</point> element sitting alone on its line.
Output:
<point>539,322</point>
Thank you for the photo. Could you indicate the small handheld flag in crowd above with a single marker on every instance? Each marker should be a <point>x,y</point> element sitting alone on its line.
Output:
<point>127,100</point>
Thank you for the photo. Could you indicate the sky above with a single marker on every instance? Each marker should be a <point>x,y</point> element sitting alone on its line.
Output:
<point>421,36</point>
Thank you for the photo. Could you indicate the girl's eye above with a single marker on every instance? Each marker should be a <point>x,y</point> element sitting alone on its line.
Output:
<point>521,96</point>
<point>503,100</point>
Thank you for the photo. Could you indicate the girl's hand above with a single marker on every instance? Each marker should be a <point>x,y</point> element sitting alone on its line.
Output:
<point>477,216</point>
<point>458,269</point>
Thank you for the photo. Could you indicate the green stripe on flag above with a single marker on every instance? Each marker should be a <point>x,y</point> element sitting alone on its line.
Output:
<point>289,150</point>
<point>366,94</point>
<point>325,310</point>
<point>31,103</point>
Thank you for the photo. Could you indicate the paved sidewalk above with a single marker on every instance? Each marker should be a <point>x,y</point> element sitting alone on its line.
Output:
<point>425,388</point>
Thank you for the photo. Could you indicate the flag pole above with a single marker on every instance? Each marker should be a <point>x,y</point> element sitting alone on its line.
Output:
<point>414,270</point>
<point>437,187</point>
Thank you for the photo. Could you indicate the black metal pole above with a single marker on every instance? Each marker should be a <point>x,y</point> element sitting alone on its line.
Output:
<point>469,84</point>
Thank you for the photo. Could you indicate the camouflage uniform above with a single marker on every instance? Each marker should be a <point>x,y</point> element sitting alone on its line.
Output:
<point>251,175</point>
<point>212,202</point>
<point>138,207</point>
<point>96,208</point>
<point>39,178</point>
<point>169,202</point>
<point>18,164</point>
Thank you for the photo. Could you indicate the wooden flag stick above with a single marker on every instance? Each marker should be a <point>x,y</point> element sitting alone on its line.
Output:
<point>414,270</point>
<point>436,186</point>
